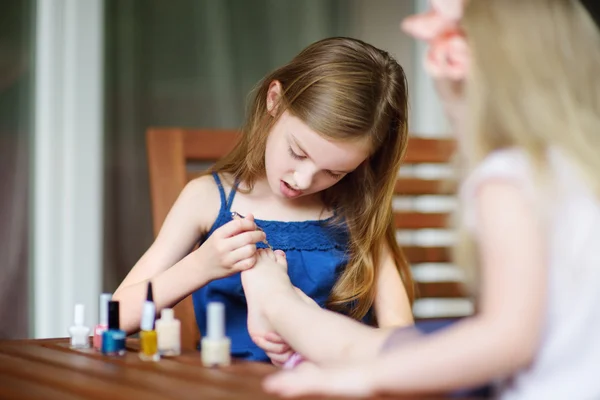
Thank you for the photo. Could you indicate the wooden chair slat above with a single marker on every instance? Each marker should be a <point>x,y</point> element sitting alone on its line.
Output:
<point>430,254</point>
<point>423,150</point>
<point>420,220</point>
<point>190,175</point>
<point>166,167</point>
<point>444,290</point>
<point>205,144</point>
<point>417,186</point>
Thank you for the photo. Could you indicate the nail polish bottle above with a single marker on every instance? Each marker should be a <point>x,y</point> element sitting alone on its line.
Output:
<point>168,329</point>
<point>103,325</point>
<point>80,334</point>
<point>113,339</point>
<point>215,346</point>
<point>148,336</point>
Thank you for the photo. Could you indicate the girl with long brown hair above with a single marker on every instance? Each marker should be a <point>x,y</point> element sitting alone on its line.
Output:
<point>314,172</point>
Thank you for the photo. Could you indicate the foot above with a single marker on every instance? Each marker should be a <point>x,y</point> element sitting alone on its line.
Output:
<point>262,283</point>
<point>306,298</point>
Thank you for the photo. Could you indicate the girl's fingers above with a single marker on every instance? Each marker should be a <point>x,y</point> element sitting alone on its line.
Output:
<point>271,347</point>
<point>243,239</point>
<point>279,359</point>
<point>236,227</point>
<point>244,264</point>
<point>274,337</point>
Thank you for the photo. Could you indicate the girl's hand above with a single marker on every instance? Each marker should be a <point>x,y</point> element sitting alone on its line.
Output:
<point>275,347</point>
<point>308,379</point>
<point>232,247</point>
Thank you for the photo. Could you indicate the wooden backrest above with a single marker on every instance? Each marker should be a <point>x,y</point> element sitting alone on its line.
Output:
<point>440,291</point>
<point>173,153</point>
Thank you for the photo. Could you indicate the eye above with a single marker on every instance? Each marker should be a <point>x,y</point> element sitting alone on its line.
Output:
<point>333,175</point>
<point>294,155</point>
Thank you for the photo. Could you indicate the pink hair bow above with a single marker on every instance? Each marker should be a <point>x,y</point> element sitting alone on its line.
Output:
<point>448,55</point>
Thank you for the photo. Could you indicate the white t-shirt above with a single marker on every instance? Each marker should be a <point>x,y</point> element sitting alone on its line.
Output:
<point>567,363</point>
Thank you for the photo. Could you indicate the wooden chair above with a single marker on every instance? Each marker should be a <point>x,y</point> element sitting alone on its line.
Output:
<point>172,153</point>
<point>443,290</point>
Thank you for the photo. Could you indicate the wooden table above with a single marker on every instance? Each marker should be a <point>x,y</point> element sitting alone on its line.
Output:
<point>48,369</point>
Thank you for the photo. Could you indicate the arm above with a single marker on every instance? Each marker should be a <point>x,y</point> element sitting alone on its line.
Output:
<point>391,301</point>
<point>231,248</point>
<point>503,338</point>
<point>319,335</point>
<point>496,343</point>
<point>175,272</point>
<point>337,339</point>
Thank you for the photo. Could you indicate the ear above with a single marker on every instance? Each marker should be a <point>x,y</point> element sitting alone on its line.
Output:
<point>273,97</point>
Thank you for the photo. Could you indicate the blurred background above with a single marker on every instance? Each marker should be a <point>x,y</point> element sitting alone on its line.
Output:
<point>81,81</point>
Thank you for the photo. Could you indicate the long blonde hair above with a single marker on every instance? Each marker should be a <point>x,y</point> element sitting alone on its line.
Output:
<point>533,82</point>
<point>344,89</point>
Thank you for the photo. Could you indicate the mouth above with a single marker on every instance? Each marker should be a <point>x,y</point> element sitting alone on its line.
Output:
<point>289,191</point>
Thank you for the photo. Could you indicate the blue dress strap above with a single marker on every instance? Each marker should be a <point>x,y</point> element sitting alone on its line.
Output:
<point>231,196</point>
<point>221,190</point>
<point>225,200</point>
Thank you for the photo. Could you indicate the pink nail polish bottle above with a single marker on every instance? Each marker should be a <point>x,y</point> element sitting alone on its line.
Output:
<point>103,325</point>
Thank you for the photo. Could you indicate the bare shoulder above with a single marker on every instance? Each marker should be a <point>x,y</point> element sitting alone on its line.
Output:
<point>201,196</point>
<point>505,207</point>
<point>498,194</point>
<point>203,186</point>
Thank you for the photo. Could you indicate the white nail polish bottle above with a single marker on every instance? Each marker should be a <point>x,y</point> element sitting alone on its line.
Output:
<point>80,334</point>
<point>168,330</point>
<point>215,346</point>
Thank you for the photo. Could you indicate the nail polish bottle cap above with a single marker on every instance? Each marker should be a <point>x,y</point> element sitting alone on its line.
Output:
<point>149,294</point>
<point>148,313</point>
<point>216,320</point>
<point>79,315</point>
<point>113,315</point>
<point>104,299</point>
<point>167,314</point>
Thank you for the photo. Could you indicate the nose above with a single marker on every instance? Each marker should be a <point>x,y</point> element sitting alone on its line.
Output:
<point>303,179</point>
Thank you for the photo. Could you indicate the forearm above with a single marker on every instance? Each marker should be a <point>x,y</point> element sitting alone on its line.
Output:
<point>169,287</point>
<point>322,336</point>
<point>471,353</point>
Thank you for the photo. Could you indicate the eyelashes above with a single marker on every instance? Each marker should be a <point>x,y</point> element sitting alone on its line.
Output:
<point>294,155</point>
<point>299,157</point>
<point>334,176</point>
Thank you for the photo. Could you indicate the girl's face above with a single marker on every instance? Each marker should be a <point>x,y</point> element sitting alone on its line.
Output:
<point>300,162</point>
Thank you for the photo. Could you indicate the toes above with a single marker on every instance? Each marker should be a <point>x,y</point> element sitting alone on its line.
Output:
<point>262,254</point>
<point>280,257</point>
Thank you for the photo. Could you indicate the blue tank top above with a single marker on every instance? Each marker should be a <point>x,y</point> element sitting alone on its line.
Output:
<point>316,253</point>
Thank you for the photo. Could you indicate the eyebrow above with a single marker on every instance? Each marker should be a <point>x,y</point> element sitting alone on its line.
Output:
<point>307,155</point>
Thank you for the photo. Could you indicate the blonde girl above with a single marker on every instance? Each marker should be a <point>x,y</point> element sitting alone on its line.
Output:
<point>519,80</point>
